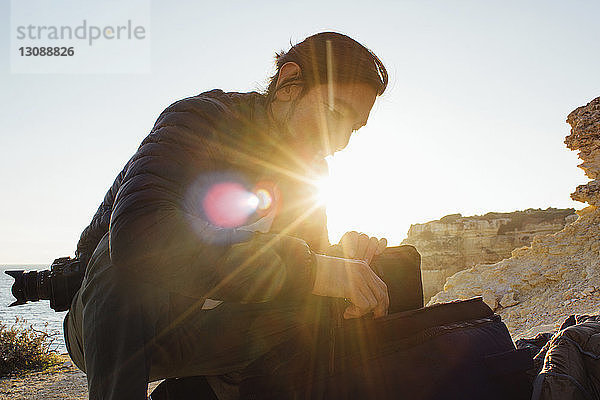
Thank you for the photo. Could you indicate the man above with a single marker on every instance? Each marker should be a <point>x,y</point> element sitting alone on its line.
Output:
<point>209,247</point>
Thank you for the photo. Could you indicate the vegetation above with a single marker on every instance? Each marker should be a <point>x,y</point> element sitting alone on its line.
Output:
<point>548,214</point>
<point>533,216</point>
<point>23,348</point>
<point>517,219</point>
<point>449,219</point>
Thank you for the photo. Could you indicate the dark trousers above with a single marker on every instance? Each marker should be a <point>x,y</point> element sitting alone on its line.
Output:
<point>124,333</point>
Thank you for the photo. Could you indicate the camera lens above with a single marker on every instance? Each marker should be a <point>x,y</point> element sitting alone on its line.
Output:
<point>30,286</point>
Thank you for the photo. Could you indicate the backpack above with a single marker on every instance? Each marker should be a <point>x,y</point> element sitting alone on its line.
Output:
<point>458,350</point>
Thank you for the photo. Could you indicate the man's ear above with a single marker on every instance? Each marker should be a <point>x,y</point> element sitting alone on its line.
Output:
<point>288,85</point>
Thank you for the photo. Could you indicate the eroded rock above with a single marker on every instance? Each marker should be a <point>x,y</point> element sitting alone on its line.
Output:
<point>489,298</point>
<point>508,300</point>
<point>557,275</point>
<point>454,243</point>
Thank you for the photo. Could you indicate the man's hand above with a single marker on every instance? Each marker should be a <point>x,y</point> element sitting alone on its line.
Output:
<point>361,247</point>
<point>354,280</point>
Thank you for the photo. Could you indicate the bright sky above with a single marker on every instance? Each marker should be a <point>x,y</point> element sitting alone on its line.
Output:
<point>473,120</point>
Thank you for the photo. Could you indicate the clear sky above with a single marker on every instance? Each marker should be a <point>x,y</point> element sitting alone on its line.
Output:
<point>473,120</point>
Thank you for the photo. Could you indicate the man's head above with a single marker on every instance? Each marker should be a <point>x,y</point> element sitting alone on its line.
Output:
<point>323,90</point>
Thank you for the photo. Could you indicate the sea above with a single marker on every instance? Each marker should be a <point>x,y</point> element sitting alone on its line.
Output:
<point>36,314</point>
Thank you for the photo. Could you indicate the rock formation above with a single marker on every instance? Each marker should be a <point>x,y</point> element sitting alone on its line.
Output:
<point>559,274</point>
<point>454,243</point>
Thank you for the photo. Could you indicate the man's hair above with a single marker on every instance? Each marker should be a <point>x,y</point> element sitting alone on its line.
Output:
<point>331,55</point>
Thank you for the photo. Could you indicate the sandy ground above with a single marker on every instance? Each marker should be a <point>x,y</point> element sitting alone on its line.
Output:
<point>66,381</point>
<point>63,381</point>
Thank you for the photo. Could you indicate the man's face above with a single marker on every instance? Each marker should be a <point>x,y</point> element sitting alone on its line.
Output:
<point>325,117</point>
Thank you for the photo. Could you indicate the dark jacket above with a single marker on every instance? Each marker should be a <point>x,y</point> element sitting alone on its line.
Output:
<point>159,229</point>
<point>570,362</point>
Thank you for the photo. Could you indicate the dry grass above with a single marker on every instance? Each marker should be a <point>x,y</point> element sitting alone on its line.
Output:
<point>24,348</point>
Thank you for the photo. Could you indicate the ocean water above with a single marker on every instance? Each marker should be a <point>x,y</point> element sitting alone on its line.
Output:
<point>37,314</point>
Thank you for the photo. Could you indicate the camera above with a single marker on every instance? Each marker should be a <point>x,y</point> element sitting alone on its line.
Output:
<point>58,284</point>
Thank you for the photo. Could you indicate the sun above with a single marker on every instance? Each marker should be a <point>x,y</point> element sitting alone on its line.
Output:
<point>359,198</point>
<point>324,190</point>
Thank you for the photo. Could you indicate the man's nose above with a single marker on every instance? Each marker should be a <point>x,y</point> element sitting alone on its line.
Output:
<point>342,140</point>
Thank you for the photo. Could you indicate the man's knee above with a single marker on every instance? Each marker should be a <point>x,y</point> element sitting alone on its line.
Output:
<point>228,337</point>
<point>73,332</point>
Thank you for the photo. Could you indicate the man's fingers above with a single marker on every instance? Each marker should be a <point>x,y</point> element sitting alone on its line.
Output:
<point>380,291</point>
<point>371,298</point>
<point>374,291</point>
<point>383,303</point>
<point>381,246</point>
<point>349,243</point>
<point>365,294</point>
<point>371,250</point>
<point>380,311</point>
<point>363,297</point>
<point>361,248</point>
<point>352,312</point>
<point>366,302</point>
<point>374,280</point>
<point>360,305</point>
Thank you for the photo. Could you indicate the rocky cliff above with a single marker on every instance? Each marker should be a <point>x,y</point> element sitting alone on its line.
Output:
<point>454,243</point>
<point>559,274</point>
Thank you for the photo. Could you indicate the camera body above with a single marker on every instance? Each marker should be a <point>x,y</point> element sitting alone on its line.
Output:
<point>58,284</point>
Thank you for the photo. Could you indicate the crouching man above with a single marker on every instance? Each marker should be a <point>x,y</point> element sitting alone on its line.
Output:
<point>209,246</point>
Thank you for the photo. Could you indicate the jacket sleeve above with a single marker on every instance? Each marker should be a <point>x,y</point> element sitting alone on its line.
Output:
<point>159,232</point>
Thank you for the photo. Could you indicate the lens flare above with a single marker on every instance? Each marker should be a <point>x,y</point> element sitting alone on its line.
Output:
<point>264,199</point>
<point>229,204</point>
<point>253,201</point>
